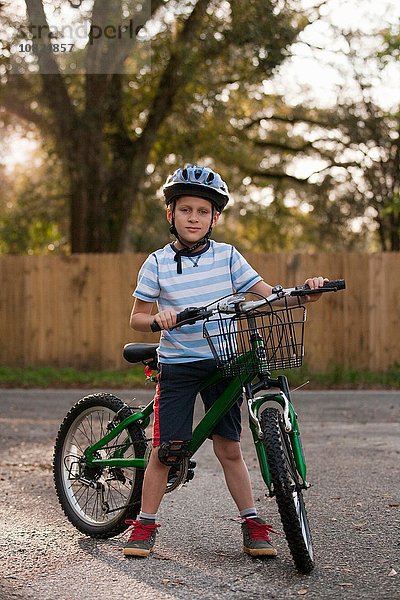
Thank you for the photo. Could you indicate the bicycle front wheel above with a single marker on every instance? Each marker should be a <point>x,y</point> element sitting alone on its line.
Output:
<point>288,491</point>
<point>97,500</point>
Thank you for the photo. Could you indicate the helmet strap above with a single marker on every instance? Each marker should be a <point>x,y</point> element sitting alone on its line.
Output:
<point>187,249</point>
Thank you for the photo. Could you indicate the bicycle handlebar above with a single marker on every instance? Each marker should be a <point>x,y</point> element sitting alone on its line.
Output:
<point>191,315</point>
<point>333,285</point>
<point>188,316</point>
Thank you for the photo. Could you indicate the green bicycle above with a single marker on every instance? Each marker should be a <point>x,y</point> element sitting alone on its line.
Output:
<point>101,450</point>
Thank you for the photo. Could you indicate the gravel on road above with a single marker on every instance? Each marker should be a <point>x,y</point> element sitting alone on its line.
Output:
<point>352,445</point>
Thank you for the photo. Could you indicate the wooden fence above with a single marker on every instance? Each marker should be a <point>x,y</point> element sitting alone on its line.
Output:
<point>74,311</point>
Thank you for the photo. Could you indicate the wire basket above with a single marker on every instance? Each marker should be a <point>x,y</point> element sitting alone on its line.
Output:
<point>258,342</point>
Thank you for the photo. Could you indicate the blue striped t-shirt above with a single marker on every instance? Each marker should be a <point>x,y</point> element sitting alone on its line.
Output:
<point>215,271</point>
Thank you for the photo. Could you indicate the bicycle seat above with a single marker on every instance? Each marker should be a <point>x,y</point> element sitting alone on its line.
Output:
<point>134,353</point>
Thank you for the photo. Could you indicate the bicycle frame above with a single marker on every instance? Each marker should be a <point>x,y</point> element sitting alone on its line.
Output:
<point>232,393</point>
<point>207,424</point>
<point>249,339</point>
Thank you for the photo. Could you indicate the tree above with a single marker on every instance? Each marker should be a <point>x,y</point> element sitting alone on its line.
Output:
<point>363,154</point>
<point>372,183</point>
<point>353,195</point>
<point>374,132</point>
<point>33,208</point>
<point>104,133</point>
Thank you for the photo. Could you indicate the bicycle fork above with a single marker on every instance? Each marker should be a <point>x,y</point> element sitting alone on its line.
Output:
<point>291,427</point>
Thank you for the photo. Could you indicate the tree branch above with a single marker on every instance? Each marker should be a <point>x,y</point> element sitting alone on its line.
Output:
<point>291,120</point>
<point>54,92</point>
<point>274,175</point>
<point>13,102</point>
<point>173,77</point>
<point>108,55</point>
<point>268,174</point>
<point>285,147</point>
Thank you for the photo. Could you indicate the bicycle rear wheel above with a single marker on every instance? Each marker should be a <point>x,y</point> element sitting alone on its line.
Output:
<point>287,487</point>
<point>97,500</point>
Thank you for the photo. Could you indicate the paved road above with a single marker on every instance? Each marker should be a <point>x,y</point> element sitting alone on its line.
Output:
<point>352,442</point>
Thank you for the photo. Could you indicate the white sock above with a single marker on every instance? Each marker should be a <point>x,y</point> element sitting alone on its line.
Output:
<point>249,513</point>
<point>147,517</point>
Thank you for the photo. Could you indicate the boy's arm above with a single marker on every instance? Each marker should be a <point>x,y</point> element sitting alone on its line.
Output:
<point>261,288</point>
<point>142,317</point>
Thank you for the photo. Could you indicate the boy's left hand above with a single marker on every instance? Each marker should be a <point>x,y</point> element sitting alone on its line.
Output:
<point>314,283</point>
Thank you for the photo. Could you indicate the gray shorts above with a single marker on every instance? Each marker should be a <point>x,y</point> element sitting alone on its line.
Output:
<point>174,401</point>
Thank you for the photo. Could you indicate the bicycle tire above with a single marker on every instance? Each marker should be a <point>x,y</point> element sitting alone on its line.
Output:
<point>99,511</point>
<point>288,492</point>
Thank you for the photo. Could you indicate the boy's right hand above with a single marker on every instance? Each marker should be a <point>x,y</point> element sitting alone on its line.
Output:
<point>166,319</point>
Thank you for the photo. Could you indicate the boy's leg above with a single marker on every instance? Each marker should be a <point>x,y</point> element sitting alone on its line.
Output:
<point>235,470</point>
<point>226,442</point>
<point>173,417</point>
<point>154,483</point>
<point>256,540</point>
<point>144,530</point>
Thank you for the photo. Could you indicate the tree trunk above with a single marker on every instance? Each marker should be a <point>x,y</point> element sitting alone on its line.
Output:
<point>105,167</point>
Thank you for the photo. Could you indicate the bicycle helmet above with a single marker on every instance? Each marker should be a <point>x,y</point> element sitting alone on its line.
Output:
<point>193,180</point>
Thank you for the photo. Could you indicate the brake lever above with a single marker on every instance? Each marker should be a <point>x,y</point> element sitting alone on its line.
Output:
<point>229,304</point>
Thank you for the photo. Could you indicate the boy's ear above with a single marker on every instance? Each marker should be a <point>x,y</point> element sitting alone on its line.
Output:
<point>216,217</point>
<point>169,215</point>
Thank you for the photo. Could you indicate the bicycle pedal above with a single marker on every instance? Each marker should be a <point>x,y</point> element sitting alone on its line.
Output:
<point>189,476</point>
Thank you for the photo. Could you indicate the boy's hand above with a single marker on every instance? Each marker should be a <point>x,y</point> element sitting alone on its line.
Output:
<point>166,319</point>
<point>314,283</point>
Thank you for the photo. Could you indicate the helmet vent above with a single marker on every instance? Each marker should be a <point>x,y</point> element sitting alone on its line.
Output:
<point>210,178</point>
<point>198,173</point>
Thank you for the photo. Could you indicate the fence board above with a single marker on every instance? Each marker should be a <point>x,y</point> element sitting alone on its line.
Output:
<point>74,311</point>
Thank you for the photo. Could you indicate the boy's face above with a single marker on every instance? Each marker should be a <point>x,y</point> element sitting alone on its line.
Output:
<point>193,217</point>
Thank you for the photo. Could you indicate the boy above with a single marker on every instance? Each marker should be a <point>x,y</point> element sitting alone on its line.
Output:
<point>193,270</point>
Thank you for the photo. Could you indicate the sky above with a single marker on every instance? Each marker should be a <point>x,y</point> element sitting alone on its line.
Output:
<point>316,69</point>
<point>320,63</point>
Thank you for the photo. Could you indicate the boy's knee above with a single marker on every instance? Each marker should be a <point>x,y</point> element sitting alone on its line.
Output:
<point>226,449</point>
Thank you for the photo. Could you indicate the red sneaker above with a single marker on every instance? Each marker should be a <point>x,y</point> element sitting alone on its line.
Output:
<point>256,540</point>
<point>141,540</point>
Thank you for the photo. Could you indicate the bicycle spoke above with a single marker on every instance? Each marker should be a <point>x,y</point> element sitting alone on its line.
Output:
<point>95,497</point>
<point>88,501</point>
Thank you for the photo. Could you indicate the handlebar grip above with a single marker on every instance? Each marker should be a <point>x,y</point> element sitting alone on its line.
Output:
<point>188,316</point>
<point>337,284</point>
<point>333,285</point>
<point>155,327</point>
